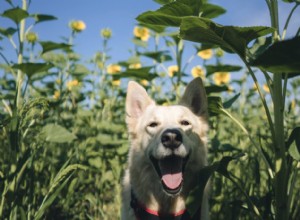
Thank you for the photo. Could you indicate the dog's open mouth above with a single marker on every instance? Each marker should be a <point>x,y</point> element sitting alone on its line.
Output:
<point>170,170</point>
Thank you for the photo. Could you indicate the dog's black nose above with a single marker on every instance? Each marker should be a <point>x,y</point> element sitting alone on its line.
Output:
<point>171,138</point>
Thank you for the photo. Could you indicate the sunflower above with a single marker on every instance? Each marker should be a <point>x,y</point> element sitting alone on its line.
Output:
<point>135,66</point>
<point>56,95</point>
<point>113,68</point>
<point>172,70</point>
<point>198,71</point>
<point>142,33</point>
<point>77,25</point>
<point>221,78</point>
<point>205,54</point>
<point>71,84</point>
<point>116,82</point>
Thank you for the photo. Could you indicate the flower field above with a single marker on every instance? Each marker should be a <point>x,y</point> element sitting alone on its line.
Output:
<point>63,138</point>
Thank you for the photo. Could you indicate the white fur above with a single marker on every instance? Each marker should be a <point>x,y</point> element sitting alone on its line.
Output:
<point>145,140</point>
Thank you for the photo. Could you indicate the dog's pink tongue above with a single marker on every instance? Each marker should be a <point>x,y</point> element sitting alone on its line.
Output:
<point>172,181</point>
<point>171,170</point>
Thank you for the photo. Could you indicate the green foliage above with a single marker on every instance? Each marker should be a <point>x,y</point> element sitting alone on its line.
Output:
<point>269,54</point>
<point>193,202</point>
<point>173,13</point>
<point>211,69</point>
<point>32,68</point>
<point>49,46</point>
<point>281,57</point>
<point>42,18</point>
<point>230,38</point>
<point>15,14</point>
<point>63,132</point>
<point>56,134</point>
<point>8,32</point>
<point>141,73</point>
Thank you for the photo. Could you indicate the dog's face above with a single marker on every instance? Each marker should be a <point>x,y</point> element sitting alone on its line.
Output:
<point>168,143</point>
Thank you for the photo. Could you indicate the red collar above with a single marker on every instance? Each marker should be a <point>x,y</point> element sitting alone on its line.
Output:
<point>143,213</point>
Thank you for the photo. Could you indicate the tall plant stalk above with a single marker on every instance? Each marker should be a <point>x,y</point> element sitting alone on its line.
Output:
<point>281,168</point>
<point>20,74</point>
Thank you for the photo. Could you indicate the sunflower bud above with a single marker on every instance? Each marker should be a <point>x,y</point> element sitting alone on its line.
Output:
<point>106,33</point>
<point>77,26</point>
<point>219,53</point>
<point>31,37</point>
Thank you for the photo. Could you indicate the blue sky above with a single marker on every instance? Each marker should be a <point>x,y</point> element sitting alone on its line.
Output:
<point>119,15</point>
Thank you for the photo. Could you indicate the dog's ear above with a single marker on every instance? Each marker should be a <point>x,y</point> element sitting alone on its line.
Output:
<point>137,100</point>
<point>195,98</point>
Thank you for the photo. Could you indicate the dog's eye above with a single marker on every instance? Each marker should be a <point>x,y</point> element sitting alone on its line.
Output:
<point>153,124</point>
<point>185,123</point>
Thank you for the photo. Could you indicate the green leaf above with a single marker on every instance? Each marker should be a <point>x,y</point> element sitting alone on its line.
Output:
<point>229,102</point>
<point>259,46</point>
<point>172,13</point>
<point>281,57</point>
<point>8,32</point>
<point>211,11</point>
<point>291,1</point>
<point>210,69</point>
<point>95,162</point>
<point>32,68</point>
<point>59,182</point>
<point>205,46</point>
<point>214,105</point>
<point>41,18</point>
<point>168,15</point>
<point>79,70</point>
<point>49,46</point>
<point>63,174</point>
<point>217,147</point>
<point>130,61</point>
<point>57,134</point>
<point>194,198</point>
<point>230,38</point>
<point>108,140</point>
<point>223,164</point>
<point>294,152</point>
<point>9,2</point>
<point>294,149</point>
<point>156,28</point>
<point>15,14</point>
<point>163,2</point>
<point>158,56</point>
<point>139,42</point>
<point>215,89</point>
<point>142,73</point>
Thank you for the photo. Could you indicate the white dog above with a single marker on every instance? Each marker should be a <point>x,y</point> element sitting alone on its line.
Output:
<point>168,148</point>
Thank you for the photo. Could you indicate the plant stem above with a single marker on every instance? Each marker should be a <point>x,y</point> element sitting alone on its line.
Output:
<point>281,168</point>
<point>270,171</point>
<point>249,202</point>
<point>179,50</point>
<point>263,100</point>
<point>284,88</point>
<point>20,75</point>
<point>292,184</point>
<point>288,20</point>
<point>274,18</point>
<point>281,180</point>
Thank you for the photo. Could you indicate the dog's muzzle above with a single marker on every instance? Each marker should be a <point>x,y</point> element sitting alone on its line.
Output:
<point>171,168</point>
